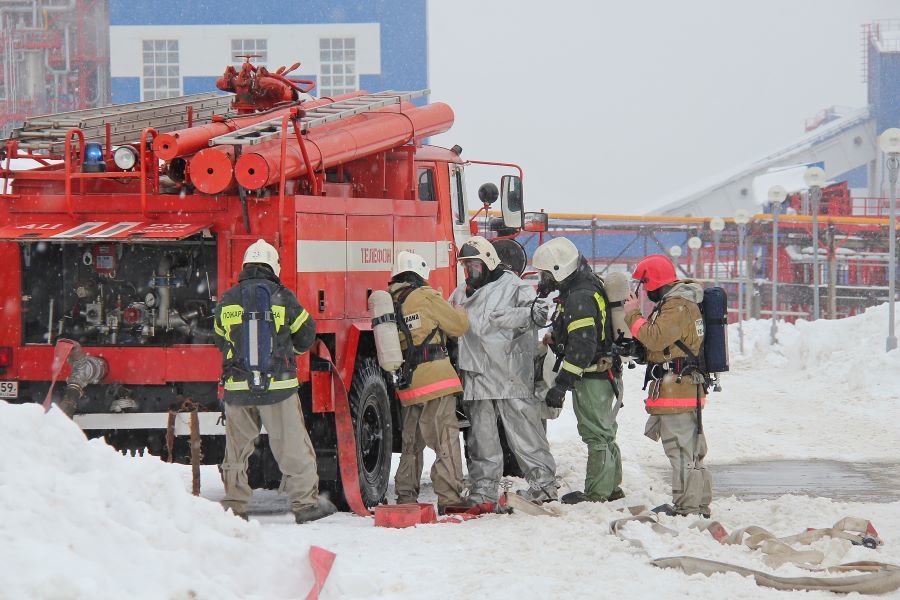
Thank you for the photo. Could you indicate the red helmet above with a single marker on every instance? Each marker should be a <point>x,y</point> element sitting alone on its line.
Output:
<point>655,271</point>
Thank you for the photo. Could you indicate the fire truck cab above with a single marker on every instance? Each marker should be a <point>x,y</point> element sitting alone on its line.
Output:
<point>110,241</point>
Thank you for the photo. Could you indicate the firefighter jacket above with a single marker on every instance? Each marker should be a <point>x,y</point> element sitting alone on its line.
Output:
<point>579,329</point>
<point>676,317</point>
<point>295,332</point>
<point>430,319</point>
<point>496,354</point>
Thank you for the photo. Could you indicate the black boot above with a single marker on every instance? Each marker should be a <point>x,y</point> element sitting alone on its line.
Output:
<point>579,497</point>
<point>668,509</point>
<point>322,509</point>
<point>665,509</point>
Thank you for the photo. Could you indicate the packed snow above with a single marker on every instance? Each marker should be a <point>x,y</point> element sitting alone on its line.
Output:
<point>81,521</point>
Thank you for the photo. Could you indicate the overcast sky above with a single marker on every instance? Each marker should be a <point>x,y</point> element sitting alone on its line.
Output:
<point>610,105</point>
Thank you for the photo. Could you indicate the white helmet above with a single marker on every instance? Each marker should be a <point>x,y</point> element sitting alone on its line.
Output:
<point>407,262</point>
<point>479,247</point>
<point>559,257</point>
<point>262,252</point>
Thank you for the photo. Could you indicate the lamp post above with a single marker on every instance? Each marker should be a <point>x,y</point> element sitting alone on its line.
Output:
<point>815,179</point>
<point>741,218</point>
<point>675,253</point>
<point>716,224</point>
<point>890,145</point>
<point>777,194</point>
<point>695,243</point>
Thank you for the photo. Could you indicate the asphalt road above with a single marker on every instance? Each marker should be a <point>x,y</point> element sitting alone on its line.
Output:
<point>858,482</point>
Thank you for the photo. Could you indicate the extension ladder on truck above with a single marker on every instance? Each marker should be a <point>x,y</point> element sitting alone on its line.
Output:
<point>121,122</point>
<point>343,109</point>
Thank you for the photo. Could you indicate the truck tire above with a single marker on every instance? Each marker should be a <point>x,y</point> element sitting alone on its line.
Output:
<point>370,409</point>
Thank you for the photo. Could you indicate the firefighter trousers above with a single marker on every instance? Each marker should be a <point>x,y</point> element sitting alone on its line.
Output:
<point>686,449</point>
<point>290,444</point>
<point>594,403</point>
<point>432,424</point>
<point>526,438</point>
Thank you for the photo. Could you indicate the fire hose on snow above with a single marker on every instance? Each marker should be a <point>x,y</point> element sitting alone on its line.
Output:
<point>877,577</point>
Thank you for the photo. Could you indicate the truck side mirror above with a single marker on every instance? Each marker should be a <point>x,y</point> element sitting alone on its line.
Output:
<point>511,201</point>
<point>537,222</point>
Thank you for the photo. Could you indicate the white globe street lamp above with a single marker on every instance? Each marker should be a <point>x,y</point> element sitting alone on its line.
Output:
<point>889,141</point>
<point>716,224</point>
<point>675,253</point>
<point>815,180</point>
<point>695,243</point>
<point>777,194</point>
<point>741,218</point>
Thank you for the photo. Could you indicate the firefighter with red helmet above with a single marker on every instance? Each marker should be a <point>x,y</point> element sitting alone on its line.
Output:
<point>581,337</point>
<point>672,335</point>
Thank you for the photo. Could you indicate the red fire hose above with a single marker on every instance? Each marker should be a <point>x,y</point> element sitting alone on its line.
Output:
<point>346,436</point>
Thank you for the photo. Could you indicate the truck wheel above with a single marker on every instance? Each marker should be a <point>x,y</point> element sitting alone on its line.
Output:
<point>370,408</point>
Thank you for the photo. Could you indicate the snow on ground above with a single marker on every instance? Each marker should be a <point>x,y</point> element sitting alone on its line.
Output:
<point>80,521</point>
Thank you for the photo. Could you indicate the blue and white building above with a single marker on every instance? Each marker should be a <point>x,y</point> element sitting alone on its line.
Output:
<point>168,48</point>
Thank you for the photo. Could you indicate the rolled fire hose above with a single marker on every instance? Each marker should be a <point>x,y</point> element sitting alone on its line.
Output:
<point>346,437</point>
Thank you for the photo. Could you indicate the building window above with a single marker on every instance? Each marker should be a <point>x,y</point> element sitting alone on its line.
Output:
<point>244,47</point>
<point>161,76</point>
<point>337,60</point>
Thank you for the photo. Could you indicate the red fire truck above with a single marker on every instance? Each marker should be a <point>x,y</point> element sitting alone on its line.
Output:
<point>135,217</point>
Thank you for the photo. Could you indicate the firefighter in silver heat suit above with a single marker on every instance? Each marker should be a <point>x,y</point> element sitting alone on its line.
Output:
<point>496,363</point>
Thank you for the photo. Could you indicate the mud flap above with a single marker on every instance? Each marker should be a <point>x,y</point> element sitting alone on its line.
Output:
<point>346,437</point>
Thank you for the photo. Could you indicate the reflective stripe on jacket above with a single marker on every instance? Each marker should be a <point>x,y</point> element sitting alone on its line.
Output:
<point>295,332</point>
<point>676,318</point>
<point>424,310</point>
<point>580,326</point>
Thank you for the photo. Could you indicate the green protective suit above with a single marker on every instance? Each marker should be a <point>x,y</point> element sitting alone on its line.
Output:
<point>594,402</point>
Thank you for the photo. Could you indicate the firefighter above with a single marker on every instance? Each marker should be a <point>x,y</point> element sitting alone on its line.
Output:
<point>496,362</point>
<point>581,337</point>
<point>428,385</point>
<point>672,335</point>
<point>292,331</point>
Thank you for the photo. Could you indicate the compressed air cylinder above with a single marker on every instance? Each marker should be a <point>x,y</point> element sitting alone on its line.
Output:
<point>384,326</point>
<point>548,374</point>
<point>617,289</point>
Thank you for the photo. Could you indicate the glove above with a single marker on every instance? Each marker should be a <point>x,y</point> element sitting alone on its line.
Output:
<point>555,397</point>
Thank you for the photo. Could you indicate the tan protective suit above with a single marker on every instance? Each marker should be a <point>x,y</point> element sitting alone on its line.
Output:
<point>429,404</point>
<point>672,405</point>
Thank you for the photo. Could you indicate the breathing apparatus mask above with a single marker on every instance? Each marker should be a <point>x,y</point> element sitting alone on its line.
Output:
<point>477,273</point>
<point>546,285</point>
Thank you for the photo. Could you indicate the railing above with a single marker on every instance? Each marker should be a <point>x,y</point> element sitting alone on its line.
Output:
<point>146,171</point>
<point>870,207</point>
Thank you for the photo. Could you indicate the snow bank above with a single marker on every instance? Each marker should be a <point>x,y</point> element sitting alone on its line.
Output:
<point>847,355</point>
<point>82,521</point>
<point>825,390</point>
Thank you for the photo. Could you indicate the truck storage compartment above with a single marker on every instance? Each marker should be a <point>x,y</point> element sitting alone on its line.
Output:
<point>119,293</point>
